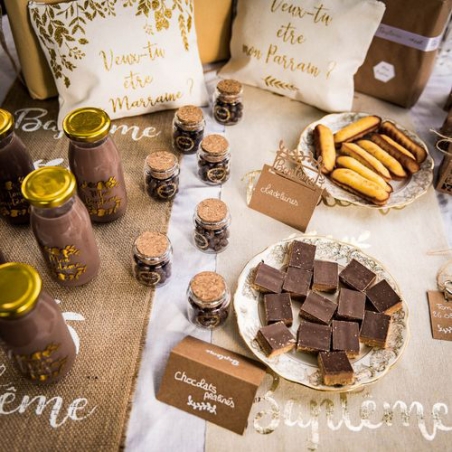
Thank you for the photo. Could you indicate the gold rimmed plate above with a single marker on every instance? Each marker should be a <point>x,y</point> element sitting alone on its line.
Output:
<point>404,191</point>
<point>370,365</point>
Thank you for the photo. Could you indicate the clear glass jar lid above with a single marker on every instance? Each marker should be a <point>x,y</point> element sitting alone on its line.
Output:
<point>87,124</point>
<point>20,286</point>
<point>49,186</point>
<point>6,122</point>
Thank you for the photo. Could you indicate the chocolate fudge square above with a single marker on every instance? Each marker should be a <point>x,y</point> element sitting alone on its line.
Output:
<point>313,337</point>
<point>375,329</point>
<point>345,337</point>
<point>317,308</point>
<point>325,277</point>
<point>335,368</point>
<point>297,283</point>
<point>350,304</point>
<point>357,276</point>
<point>384,298</point>
<point>275,339</point>
<point>278,307</point>
<point>301,255</point>
<point>268,279</point>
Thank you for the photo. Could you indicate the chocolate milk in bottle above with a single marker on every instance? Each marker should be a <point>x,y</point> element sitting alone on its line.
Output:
<point>15,164</point>
<point>96,163</point>
<point>61,225</point>
<point>32,328</point>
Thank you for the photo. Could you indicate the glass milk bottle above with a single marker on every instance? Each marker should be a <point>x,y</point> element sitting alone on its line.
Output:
<point>96,164</point>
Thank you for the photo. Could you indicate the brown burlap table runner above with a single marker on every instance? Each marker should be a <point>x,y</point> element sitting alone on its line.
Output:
<point>89,409</point>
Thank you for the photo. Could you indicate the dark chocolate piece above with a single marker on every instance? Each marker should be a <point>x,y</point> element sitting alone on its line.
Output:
<point>325,277</point>
<point>357,276</point>
<point>375,329</point>
<point>384,298</point>
<point>268,279</point>
<point>275,339</point>
<point>278,307</point>
<point>317,308</point>
<point>301,255</point>
<point>335,368</point>
<point>346,337</point>
<point>297,283</point>
<point>313,337</point>
<point>351,304</point>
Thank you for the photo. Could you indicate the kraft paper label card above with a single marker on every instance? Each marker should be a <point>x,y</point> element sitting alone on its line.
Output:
<point>290,190</point>
<point>211,382</point>
<point>440,316</point>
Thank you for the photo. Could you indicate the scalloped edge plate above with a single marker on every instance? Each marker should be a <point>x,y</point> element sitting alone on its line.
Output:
<point>299,367</point>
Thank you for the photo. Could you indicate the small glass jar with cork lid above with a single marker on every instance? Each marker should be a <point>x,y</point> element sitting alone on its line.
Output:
<point>228,106</point>
<point>161,175</point>
<point>208,300</point>
<point>213,159</point>
<point>212,220</point>
<point>188,129</point>
<point>152,259</point>
<point>33,331</point>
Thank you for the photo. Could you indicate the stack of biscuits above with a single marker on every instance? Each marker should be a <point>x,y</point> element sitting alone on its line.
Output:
<point>366,155</point>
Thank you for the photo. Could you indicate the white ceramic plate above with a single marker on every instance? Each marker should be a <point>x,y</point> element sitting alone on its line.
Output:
<point>300,367</point>
<point>404,191</point>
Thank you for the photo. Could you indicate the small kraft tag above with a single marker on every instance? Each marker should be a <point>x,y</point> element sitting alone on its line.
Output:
<point>290,190</point>
<point>211,382</point>
<point>440,316</point>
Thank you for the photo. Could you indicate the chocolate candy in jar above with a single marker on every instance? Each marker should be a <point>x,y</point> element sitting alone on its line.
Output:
<point>61,225</point>
<point>212,220</point>
<point>188,129</point>
<point>33,331</point>
<point>208,300</point>
<point>161,175</point>
<point>213,159</point>
<point>151,260</point>
<point>15,164</point>
<point>96,163</point>
<point>228,106</point>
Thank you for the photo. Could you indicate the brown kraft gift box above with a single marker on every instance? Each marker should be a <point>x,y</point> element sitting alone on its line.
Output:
<point>398,71</point>
<point>211,382</point>
<point>212,22</point>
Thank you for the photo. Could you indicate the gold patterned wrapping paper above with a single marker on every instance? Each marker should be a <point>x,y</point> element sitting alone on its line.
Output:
<point>88,410</point>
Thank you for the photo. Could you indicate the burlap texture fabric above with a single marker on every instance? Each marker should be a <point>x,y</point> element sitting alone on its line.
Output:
<point>88,410</point>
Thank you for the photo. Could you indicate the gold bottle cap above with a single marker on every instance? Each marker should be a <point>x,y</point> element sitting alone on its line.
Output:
<point>208,286</point>
<point>189,114</point>
<point>20,286</point>
<point>87,124</point>
<point>212,210</point>
<point>6,123</point>
<point>49,186</point>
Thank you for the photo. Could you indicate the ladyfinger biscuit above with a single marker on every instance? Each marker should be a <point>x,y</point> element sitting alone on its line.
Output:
<point>390,129</point>
<point>357,152</point>
<point>394,167</point>
<point>407,162</point>
<point>357,129</point>
<point>324,147</point>
<point>354,183</point>
<point>344,161</point>
<point>398,146</point>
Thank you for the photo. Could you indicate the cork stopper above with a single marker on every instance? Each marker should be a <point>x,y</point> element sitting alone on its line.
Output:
<point>212,210</point>
<point>161,161</point>
<point>215,144</point>
<point>152,244</point>
<point>229,87</point>
<point>189,114</point>
<point>208,286</point>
